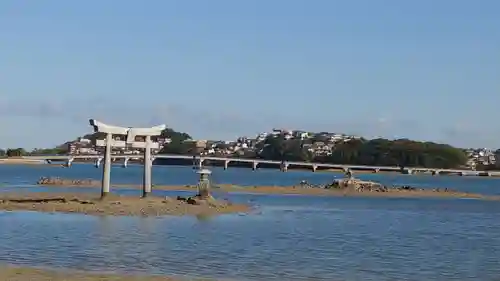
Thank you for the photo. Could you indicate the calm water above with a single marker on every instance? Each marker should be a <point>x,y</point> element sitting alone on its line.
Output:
<point>175,175</point>
<point>286,238</point>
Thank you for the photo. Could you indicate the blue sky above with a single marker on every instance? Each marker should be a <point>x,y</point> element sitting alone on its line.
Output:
<point>427,70</point>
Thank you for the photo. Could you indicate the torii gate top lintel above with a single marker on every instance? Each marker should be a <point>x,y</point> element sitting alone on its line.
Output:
<point>130,132</point>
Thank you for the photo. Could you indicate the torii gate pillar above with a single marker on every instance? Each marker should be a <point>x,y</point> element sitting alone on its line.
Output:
<point>131,133</point>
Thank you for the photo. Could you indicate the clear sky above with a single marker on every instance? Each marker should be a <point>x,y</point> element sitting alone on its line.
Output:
<point>426,69</point>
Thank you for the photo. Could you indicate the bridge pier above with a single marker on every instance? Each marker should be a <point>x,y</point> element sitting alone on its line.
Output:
<point>284,167</point>
<point>97,163</point>
<point>226,164</point>
<point>314,167</point>
<point>436,172</point>
<point>198,163</point>
<point>407,171</point>
<point>69,162</point>
<point>254,165</point>
<point>125,162</point>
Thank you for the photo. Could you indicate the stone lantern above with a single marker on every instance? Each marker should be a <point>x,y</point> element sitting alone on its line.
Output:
<point>204,184</point>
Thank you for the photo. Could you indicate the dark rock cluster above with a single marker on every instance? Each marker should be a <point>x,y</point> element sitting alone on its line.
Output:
<point>358,185</point>
<point>68,182</point>
<point>197,200</point>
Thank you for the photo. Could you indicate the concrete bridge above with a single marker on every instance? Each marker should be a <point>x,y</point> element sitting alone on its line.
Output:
<point>254,164</point>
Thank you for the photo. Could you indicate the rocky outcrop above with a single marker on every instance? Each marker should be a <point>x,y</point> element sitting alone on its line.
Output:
<point>357,185</point>
<point>67,182</point>
<point>209,201</point>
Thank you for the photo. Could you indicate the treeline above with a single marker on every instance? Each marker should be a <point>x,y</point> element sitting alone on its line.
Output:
<point>376,152</point>
<point>17,152</point>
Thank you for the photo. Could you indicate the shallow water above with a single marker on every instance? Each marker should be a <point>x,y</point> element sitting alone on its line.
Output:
<point>177,175</point>
<point>285,238</point>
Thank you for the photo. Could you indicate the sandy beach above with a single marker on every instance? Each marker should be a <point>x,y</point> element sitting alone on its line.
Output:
<point>115,205</point>
<point>21,161</point>
<point>9,273</point>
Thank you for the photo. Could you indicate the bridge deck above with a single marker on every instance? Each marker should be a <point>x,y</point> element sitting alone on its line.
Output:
<point>244,160</point>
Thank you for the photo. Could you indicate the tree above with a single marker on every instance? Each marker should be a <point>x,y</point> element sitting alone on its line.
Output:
<point>3,153</point>
<point>280,149</point>
<point>174,135</point>
<point>15,152</point>
<point>178,142</point>
<point>48,151</point>
<point>376,152</point>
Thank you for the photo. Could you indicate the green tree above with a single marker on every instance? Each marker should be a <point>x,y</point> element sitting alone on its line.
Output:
<point>48,151</point>
<point>15,152</point>
<point>277,148</point>
<point>376,152</point>
<point>179,142</point>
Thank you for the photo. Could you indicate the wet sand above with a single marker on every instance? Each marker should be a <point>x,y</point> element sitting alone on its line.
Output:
<point>115,205</point>
<point>9,273</point>
<point>21,161</point>
<point>341,192</point>
<point>392,193</point>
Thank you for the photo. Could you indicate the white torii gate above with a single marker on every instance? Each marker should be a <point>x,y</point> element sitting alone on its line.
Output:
<point>131,133</point>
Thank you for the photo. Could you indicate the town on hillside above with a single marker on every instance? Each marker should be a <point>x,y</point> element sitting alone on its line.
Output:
<point>320,144</point>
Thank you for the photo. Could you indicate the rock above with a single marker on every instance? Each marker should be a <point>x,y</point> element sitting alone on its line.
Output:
<point>69,182</point>
<point>193,201</point>
<point>180,198</point>
<point>405,187</point>
<point>197,200</point>
<point>189,200</point>
<point>356,185</point>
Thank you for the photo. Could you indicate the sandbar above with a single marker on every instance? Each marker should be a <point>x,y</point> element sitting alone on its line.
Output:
<point>297,190</point>
<point>10,273</point>
<point>21,161</point>
<point>426,193</point>
<point>115,205</point>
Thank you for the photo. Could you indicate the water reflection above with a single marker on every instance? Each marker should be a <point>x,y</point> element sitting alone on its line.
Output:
<point>204,218</point>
